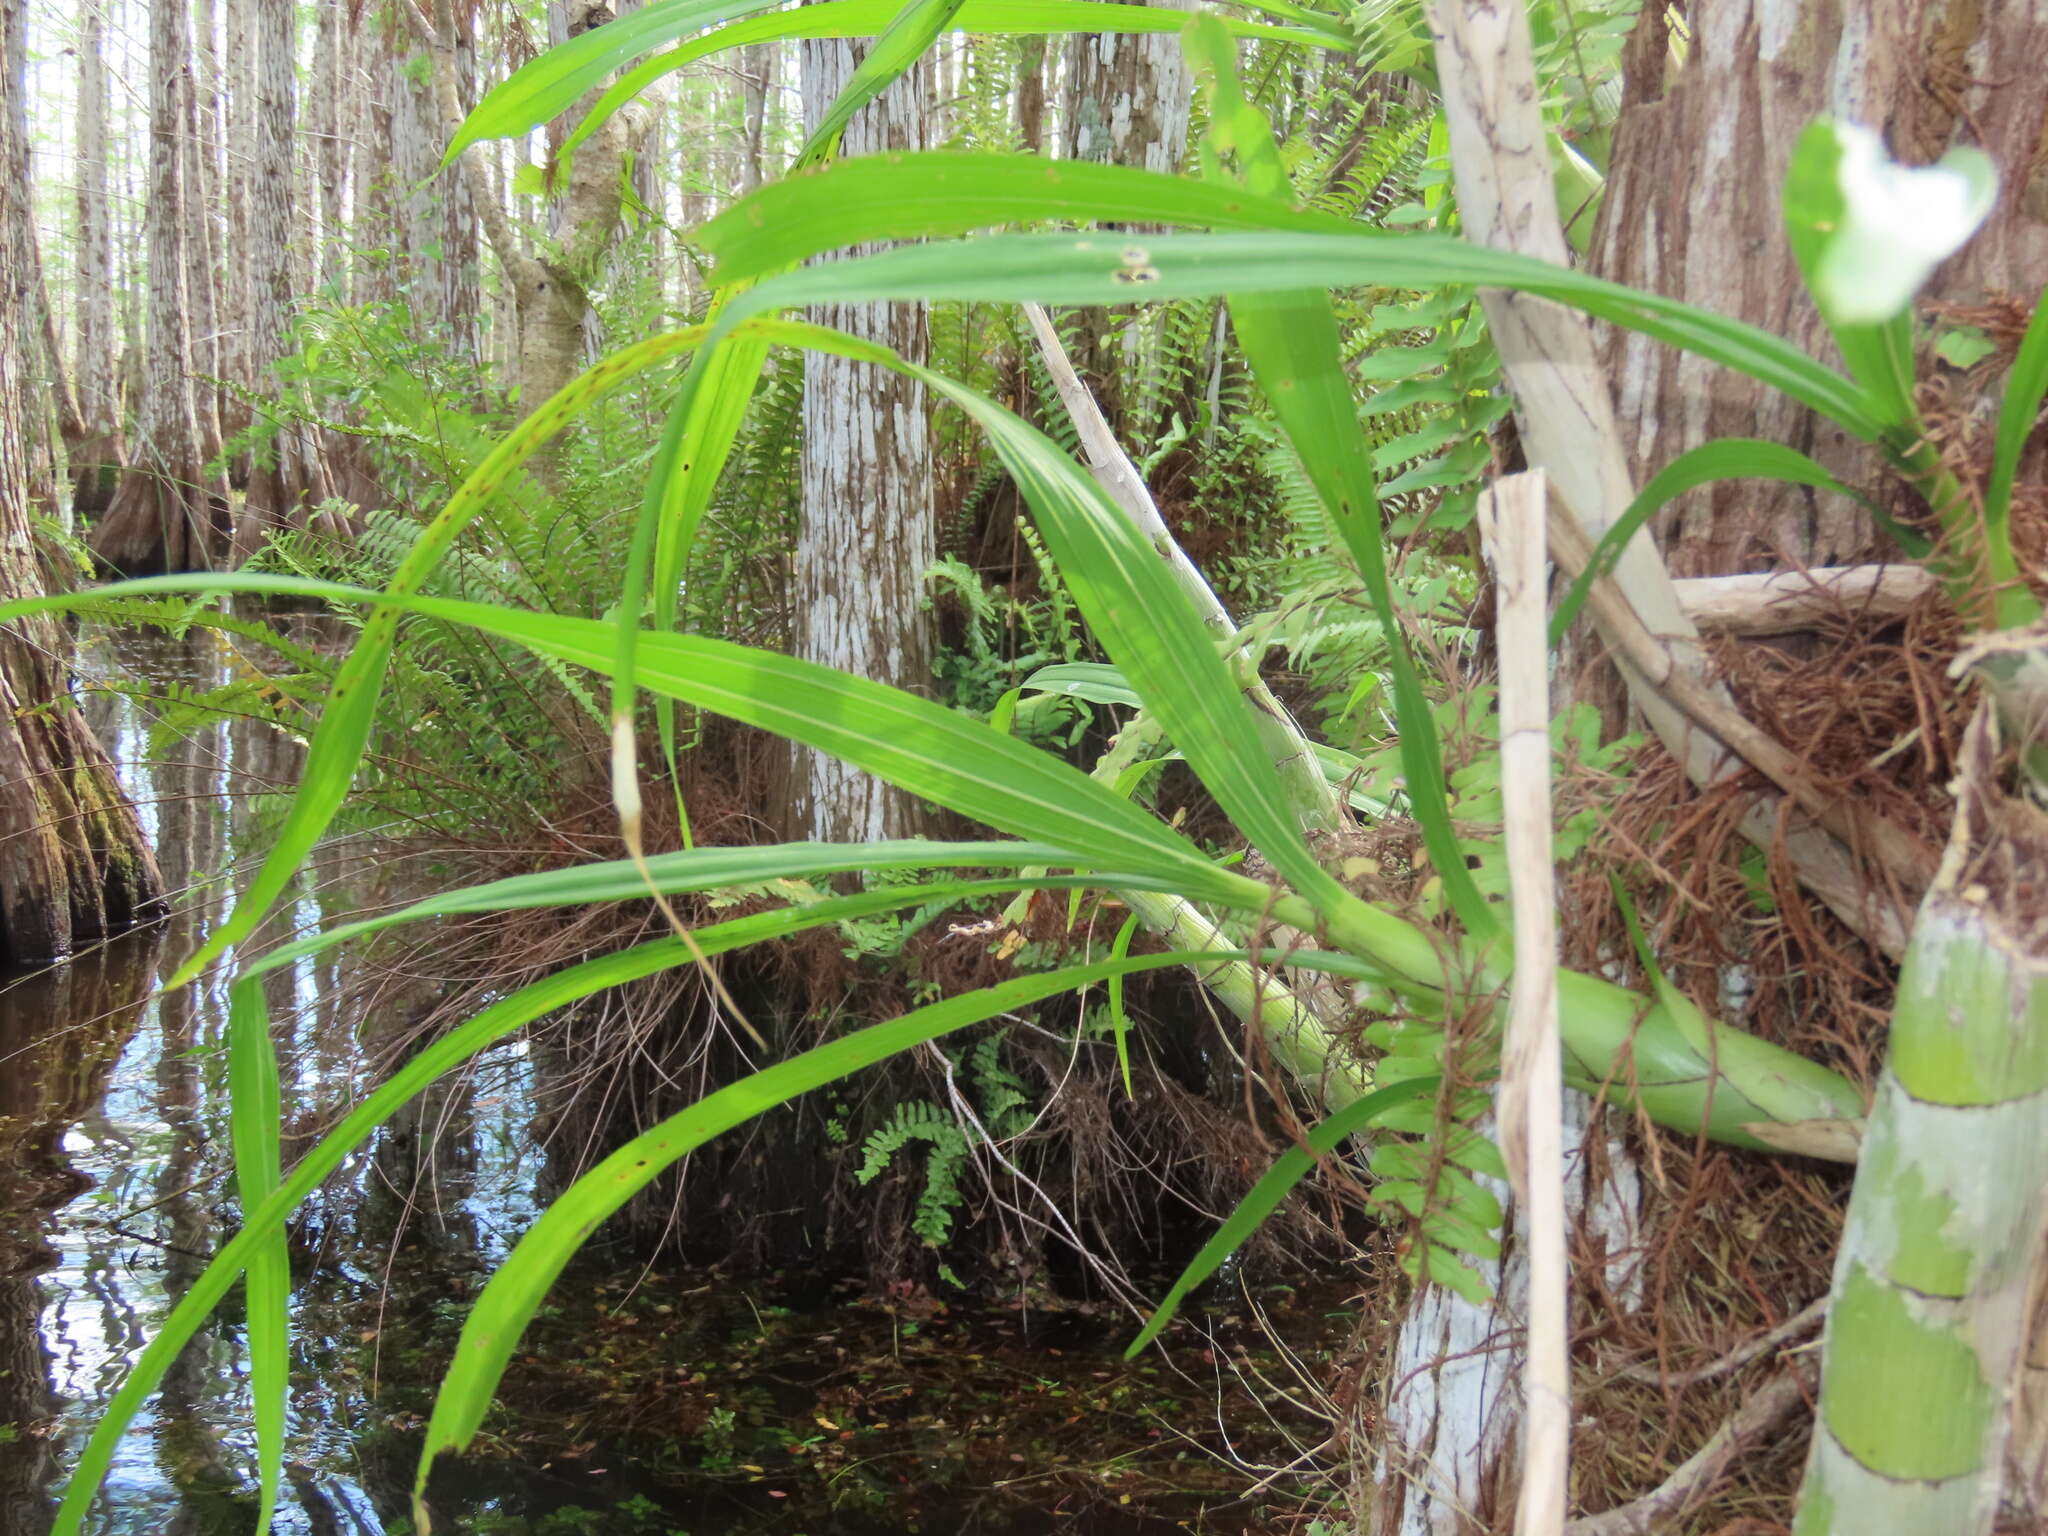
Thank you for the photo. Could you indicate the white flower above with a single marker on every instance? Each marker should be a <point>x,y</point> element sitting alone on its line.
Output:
<point>1898,224</point>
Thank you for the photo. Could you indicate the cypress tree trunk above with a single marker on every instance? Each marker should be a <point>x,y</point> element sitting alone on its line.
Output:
<point>214,405</point>
<point>1031,92</point>
<point>328,118</point>
<point>238,180</point>
<point>870,525</point>
<point>756,77</point>
<point>37,318</point>
<point>286,478</point>
<point>96,456</point>
<point>223,410</point>
<point>166,513</point>
<point>73,862</point>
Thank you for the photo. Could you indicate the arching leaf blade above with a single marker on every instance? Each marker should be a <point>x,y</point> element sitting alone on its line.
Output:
<point>1101,269</point>
<point>547,86</point>
<point>255,1124</point>
<point>346,720</point>
<point>1723,458</point>
<point>1291,341</point>
<point>1137,609</point>
<point>921,195</point>
<point>2018,409</point>
<point>914,743</point>
<point>1293,346</point>
<point>1264,1197</point>
<point>865,18</point>
<point>901,44</point>
<point>684,872</point>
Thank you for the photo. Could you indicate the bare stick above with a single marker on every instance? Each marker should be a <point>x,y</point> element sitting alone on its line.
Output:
<point>1511,519</point>
<point>1778,602</point>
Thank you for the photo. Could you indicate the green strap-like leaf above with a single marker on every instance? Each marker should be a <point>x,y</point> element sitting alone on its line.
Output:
<point>545,87</point>
<point>913,30</point>
<point>1607,1030</point>
<point>1122,269</point>
<point>1119,1020</point>
<point>1136,607</point>
<point>341,737</point>
<point>256,1119</point>
<point>692,869</point>
<point>953,192</point>
<point>1274,1185</point>
<point>865,18</point>
<point>2025,387</point>
<point>705,421</point>
<point>1724,458</point>
<point>1291,341</point>
<point>720,389</point>
<point>914,743</point>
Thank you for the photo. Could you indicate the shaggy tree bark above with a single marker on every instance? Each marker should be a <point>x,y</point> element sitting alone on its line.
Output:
<point>327,113</point>
<point>238,133</point>
<point>870,524</point>
<point>165,514</point>
<point>1126,99</point>
<point>96,456</point>
<point>286,478</point>
<point>37,318</point>
<point>1031,93</point>
<point>73,863</point>
<point>756,79</point>
<point>218,390</point>
<point>553,302</point>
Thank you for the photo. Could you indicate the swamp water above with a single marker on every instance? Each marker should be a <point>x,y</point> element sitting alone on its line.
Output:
<point>642,1403</point>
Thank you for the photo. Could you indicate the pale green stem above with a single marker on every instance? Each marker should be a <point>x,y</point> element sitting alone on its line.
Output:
<point>1294,1034</point>
<point>1929,1308</point>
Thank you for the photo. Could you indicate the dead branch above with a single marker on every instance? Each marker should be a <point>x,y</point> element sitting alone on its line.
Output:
<point>1779,602</point>
<point>1511,516</point>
